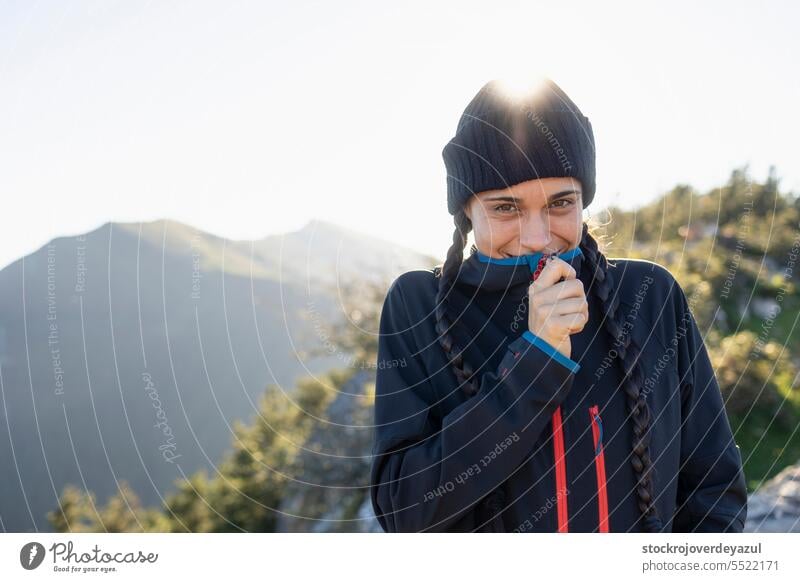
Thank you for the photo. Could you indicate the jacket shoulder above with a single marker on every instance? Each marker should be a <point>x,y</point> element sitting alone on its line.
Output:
<point>635,277</point>
<point>640,267</point>
<point>415,287</point>
<point>648,291</point>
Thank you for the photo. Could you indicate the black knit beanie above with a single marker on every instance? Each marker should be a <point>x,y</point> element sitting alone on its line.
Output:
<point>503,139</point>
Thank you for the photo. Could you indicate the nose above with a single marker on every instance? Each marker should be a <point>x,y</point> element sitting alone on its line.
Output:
<point>534,233</point>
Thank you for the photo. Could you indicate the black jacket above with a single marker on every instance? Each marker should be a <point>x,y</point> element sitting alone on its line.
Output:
<point>545,446</point>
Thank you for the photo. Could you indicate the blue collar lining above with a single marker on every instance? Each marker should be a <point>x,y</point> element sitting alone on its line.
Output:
<point>531,259</point>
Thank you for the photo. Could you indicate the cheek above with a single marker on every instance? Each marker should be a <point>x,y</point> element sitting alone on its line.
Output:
<point>567,227</point>
<point>493,234</point>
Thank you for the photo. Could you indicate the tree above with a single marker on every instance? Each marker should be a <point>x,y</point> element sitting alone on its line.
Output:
<point>78,512</point>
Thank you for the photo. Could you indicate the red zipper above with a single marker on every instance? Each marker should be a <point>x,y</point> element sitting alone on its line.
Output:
<point>600,467</point>
<point>561,471</point>
<point>539,266</point>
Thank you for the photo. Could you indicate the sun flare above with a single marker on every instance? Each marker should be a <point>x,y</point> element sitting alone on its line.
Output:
<point>518,86</point>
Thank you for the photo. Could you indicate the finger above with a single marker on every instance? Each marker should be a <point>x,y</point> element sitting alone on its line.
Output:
<point>557,292</point>
<point>575,322</point>
<point>566,324</point>
<point>568,306</point>
<point>553,271</point>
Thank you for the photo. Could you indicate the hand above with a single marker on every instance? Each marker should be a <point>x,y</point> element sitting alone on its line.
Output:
<point>558,306</point>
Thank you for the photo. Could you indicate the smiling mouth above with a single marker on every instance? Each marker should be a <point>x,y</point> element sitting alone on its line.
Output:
<point>508,256</point>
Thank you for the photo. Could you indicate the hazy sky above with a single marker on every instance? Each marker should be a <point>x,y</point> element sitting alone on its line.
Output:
<point>251,118</point>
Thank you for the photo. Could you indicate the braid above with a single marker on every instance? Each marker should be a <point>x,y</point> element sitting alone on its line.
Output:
<point>455,255</point>
<point>491,504</point>
<point>628,356</point>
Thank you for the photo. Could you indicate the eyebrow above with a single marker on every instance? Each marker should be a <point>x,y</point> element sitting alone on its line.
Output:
<point>515,200</point>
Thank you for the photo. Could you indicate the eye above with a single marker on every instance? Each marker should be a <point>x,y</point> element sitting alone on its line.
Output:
<point>507,205</point>
<point>567,202</point>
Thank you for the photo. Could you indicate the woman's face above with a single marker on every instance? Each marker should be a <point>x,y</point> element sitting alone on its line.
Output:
<point>533,216</point>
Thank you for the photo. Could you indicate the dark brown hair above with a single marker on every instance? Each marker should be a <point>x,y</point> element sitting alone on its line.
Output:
<point>627,356</point>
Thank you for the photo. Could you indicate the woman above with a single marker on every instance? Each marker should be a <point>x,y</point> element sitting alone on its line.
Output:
<point>542,387</point>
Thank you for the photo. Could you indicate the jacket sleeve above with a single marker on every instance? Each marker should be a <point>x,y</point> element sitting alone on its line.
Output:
<point>429,471</point>
<point>712,494</point>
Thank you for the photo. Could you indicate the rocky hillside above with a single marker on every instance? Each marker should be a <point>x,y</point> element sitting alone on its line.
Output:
<point>775,506</point>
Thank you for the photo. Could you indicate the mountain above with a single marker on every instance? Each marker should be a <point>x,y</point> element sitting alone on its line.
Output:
<point>327,253</point>
<point>127,353</point>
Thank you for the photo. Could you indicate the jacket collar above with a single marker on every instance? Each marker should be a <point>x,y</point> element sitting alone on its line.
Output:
<point>491,274</point>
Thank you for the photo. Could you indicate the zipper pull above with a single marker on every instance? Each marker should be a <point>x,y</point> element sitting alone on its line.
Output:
<point>600,437</point>
<point>542,262</point>
<point>539,266</point>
